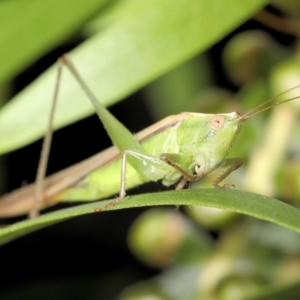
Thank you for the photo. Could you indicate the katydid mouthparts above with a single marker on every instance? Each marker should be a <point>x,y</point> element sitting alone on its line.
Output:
<point>178,149</point>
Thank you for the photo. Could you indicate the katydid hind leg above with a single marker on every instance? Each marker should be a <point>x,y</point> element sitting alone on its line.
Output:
<point>44,157</point>
<point>123,139</point>
<point>118,133</point>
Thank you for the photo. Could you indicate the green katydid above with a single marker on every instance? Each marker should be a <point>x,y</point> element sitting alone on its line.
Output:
<point>178,149</point>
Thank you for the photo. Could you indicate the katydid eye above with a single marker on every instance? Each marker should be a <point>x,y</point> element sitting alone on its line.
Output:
<point>216,122</point>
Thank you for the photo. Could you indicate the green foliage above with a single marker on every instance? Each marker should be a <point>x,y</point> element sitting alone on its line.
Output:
<point>258,206</point>
<point>140,44</point>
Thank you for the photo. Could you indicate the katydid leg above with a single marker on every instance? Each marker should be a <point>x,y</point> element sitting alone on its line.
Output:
<point>180,185</point>
<point>44,158</point>
<point>155,169</point>
<point>169,167</point>
<point>230,164</point>
<point>175,161</point>
<point>150,167</point>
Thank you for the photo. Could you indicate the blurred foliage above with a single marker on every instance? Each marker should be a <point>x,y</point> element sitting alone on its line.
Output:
<point>138,42</point>
<point>205,253</point>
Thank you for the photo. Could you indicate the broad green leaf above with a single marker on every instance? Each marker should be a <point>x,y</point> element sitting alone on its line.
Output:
<point>146,40</point>
<point>28,29</point>
<point>254,205</point>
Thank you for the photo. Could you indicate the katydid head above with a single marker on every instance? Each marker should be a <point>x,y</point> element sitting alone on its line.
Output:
<point>225,126</point>
<point>230,124</point>
<point>219,132</point>
<point>216,134</point>
<point>212,140</point>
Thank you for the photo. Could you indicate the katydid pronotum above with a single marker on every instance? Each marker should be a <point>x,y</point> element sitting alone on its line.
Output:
<point>178,149</point>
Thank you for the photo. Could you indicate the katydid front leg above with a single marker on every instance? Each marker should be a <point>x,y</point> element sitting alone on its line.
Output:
<point>229,164</point>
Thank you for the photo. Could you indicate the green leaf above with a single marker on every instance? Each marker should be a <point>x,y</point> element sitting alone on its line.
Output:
<point>254,205</point>
<point>29,28</point>
<point>147,39</point>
